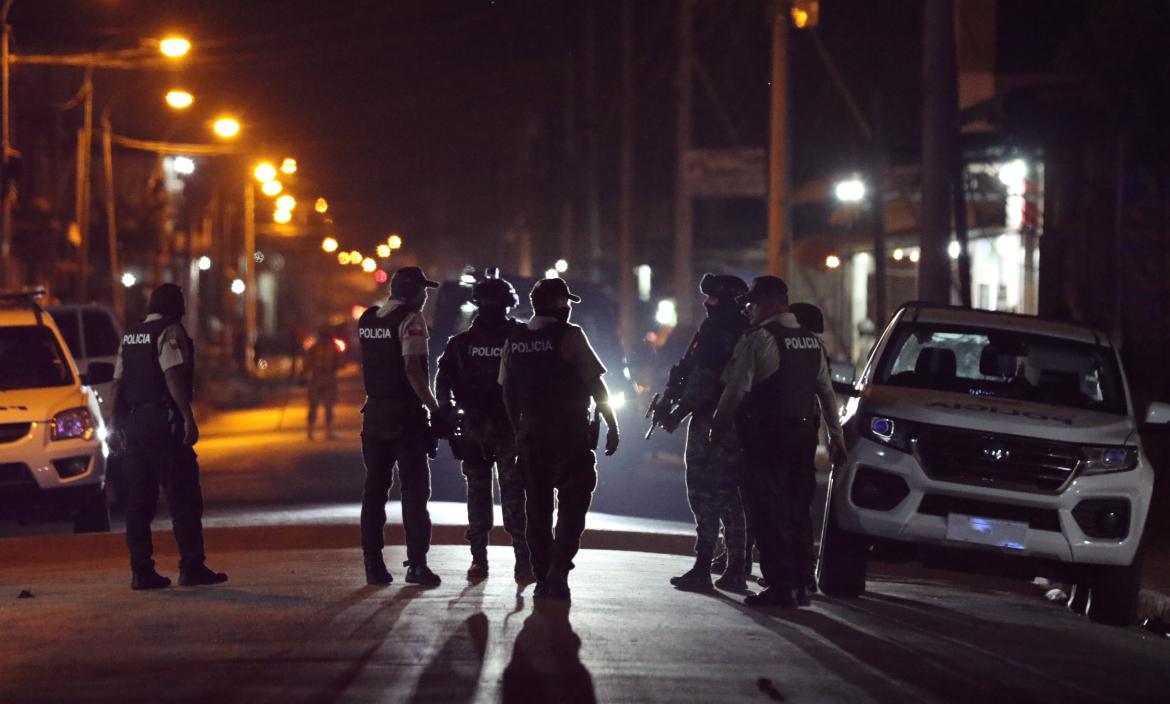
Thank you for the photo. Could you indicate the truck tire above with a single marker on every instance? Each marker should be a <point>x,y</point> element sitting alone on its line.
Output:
<point>842,565</point>
<point>94,514</point>
<point>1113,595</point>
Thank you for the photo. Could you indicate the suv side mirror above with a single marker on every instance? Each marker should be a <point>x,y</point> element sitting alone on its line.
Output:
<point>1158,413</point>
<point>98,373</point>
<point>843,375</point>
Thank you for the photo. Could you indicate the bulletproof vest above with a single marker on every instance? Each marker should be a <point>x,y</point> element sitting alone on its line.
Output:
<point>477,389</point>
<point>383,368</point>
<point>709,353</point>
<point>790,392</point>
<point>143,380</point>
<point>548,388</point>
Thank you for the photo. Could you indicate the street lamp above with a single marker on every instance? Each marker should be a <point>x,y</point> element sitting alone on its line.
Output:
<point>204,263</point>
<point>238,286</point>
<point>264,172</point>
<point>561,266</point>
<point>282,216</point>
<point>832,261</point>
<point>321,206</point>
<point>329,245</point>
<point>369,265</point>
<point>289,166</point>
<point>128,280</point>
<point>343,258</point>
<point>226,127</point>
<point>850,191</point>
<point>179,99</point>
<point>183,165</point>
<point>395,241</point>
<point>286,202</point>
<point>271,188</point>
<point>174,47</point>
<point>383,251</point>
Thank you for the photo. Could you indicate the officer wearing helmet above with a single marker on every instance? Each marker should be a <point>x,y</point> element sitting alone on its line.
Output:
<point>713,471</point>
<point>154,379</point>
<point>549,373</point>
<point>396,425</point>
<point>471,409</point>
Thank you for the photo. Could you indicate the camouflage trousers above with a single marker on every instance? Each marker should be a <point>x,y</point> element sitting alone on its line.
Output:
<point>714,474</point>
<point>480,505</point>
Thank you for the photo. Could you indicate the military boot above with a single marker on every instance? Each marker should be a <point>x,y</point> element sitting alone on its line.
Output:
<point>376,572</point>
<point>422,576</point>
<point>556,586</point>
<point>478,569</point>
<point>523,570</point>
<point>143,580</point>
<point>773,597</point>
<point>200,575</point>
<point>698,578</point>
<point>733,579</point>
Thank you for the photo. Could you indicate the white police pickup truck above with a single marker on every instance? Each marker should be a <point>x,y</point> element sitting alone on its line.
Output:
<point>992,442</point>
<point>52,437</point>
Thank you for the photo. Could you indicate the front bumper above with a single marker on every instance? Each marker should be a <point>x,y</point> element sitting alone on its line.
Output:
<point>1053,533</point>
<point>38,473</point>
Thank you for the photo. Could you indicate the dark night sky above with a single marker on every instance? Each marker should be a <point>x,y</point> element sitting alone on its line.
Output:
<point>410,115</point>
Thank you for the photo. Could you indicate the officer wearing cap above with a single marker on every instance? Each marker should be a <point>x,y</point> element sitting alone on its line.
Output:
<point>395,424</point>
<point>713,471</point>
<point>470,397</point>
<point>771,390</point>
<point>154,380</point>
<point>549,373</point>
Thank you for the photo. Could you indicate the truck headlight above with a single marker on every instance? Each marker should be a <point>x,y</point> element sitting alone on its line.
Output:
<point>891,432</point>
<point>617,400</point>
<point>1103,460</point>
<point>72,424</point>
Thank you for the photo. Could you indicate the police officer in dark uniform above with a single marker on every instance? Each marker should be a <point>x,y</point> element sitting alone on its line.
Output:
<point>549,373</point>
<point>812,319</point>
<point>470,397</point>
<point>714,468</point>
<point>396,425</point>
<point>771,391</point>
<point>156,431</point>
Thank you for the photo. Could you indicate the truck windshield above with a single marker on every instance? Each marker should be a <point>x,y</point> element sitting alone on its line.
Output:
<point>1004,364</point>
<point>30,358</point>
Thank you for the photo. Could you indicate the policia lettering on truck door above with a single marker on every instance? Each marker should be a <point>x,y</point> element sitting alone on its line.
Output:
<point>714,471</point>
<point>471,411</point>
<point>396,428</point>
<point>549,373</point>
<point>154,379</point>
<point>772,387</point>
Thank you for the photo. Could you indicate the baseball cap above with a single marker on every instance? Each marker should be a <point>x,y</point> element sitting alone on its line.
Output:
<point>409,280</point>
<point>765,286</point>
<point>548,289</point>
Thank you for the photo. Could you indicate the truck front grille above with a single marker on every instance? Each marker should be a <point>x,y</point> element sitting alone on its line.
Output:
<point>999,461</point>
<point>11,432</point>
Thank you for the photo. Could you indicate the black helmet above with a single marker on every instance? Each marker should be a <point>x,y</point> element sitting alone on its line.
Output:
<point>723,286</point>
<point>497,291</point>
<point>809,316</point>
<point>167,301</point>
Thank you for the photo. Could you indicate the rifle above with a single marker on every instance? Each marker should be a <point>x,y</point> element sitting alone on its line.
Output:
<point>664,403</point>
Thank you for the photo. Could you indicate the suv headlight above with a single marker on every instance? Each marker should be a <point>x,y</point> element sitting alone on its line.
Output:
<point>1103,460</point>
<point>72,424</point>
<point>892,432</point>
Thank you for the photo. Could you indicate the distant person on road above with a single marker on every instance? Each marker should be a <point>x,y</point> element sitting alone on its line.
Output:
<point>714,468</point>
<point>154,380</point>
<point>322,361</point>
<point>471,408</point>
<point>395,424</point>
<point>549,373</point>
<point>771,390</point>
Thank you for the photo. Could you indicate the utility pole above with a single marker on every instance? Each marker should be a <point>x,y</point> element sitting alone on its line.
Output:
<point>6,268</point>
<point>939,133</point>
<point>626,178</point>
<point>779,212</point>
<point>249,276</point>
<point>879,167</point>
<point>81,202</point>
<point>592,144</point>
<point>684,275</point>
<point>117,291</point>
<point>570,193</point>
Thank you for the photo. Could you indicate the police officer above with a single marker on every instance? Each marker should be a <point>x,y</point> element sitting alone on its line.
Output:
<point>549,373</point>
<point>812,319</point>
<point>395,424</point>
<point>468,388</point>
<point>714,469</point>
<point>322,361</point>
<point>772,387</point>
<point>154,380</point>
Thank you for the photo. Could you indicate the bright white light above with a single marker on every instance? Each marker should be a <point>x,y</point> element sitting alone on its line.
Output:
<point>1013,173</point>
<point>184,165</point>
<point>467,279</point>
<point>899,254</point>
<point>645,279</point>
<point>617,400</point>
<point>954,250</point>
<point>238,286</point>
<point>369,265</point>
<point>832,261</point>
<point>850,191</point>
<point>561,266</point>
<point>550,273</point>
<point>667,313</point>
<point>468,308</point>
<point>129,279</point>
<point>914,256</point>
<point>204,263</point>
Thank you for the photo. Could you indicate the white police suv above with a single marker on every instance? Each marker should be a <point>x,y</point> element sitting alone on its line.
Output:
<point>992,442</point>
<point>52,437</point>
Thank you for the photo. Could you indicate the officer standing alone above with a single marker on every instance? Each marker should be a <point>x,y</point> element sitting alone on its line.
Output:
<point>772,387</point>
<point>549,373</point>
<point>395,424</point>
<point>468,382</point>
<point>153,385</point>
<point>713,466</point>
<point>322,361</point>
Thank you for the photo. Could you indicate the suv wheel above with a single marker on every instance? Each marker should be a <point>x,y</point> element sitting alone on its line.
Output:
<point>94,516</point>
<point>1113,596</point>
<point>842,565</point>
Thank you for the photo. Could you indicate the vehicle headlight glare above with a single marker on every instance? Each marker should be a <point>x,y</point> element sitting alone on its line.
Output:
<point>73,424</point>
<point>617,400</point>
<point>891,432</point>
<point>1103,460</point>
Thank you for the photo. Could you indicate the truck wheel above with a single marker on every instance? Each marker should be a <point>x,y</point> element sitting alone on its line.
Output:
<point>1113,596</point>
<point>94,516</point>
<point>842,564</point>
<point>1078,598</point>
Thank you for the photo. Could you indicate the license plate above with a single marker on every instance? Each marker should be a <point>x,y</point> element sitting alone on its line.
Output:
<point>1012,535</point>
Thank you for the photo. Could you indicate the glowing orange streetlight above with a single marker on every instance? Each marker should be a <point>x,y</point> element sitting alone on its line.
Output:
<point>174,47</point>
<point>226,127</point>
<point>179,99</point>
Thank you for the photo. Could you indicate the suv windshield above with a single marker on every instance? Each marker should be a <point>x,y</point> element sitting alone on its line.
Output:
<point>30,358</point>
<point>1003,364</point>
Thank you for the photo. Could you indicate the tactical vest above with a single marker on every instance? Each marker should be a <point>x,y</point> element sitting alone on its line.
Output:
<point>143,380</point>
<point>548,388</point>
<point>791,392</point>
<point>710,351</point>
<point>383,368</point>
<point>479,349</point>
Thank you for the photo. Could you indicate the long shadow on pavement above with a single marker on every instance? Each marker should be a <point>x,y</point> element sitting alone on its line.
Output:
<point>453,673</point>
<point>546,660</point>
